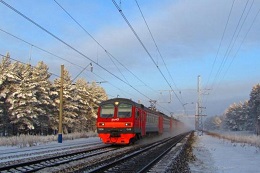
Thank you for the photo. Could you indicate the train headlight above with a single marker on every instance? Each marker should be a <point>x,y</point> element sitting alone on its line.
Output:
<point>128,129</point>
<point>101,124</point>
<point>127,124</point>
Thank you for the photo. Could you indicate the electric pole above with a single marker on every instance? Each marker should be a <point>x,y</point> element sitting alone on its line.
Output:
<point>199,115</point>
<point>61,105</point>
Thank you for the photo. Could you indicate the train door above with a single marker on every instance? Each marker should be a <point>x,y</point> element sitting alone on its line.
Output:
<point>171,124</point>
<point>138,120</point>
<point>160,124</point>
<point>143,122</point>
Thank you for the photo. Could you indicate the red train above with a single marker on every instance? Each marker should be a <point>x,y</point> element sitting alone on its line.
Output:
<point>123,121</point>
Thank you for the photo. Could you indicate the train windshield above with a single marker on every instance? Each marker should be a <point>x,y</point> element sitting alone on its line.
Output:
<point>107,111</point>
<point>124,110</point>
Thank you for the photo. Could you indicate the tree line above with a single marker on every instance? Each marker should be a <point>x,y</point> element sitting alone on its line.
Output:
<point>243,116</point>
<point>29,100</point>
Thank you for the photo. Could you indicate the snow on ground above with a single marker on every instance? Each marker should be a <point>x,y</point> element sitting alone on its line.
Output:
<point>215,155</point>
<point>8,153</point>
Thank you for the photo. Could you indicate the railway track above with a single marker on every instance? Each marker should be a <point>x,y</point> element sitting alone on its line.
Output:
<point>17,155</point>
<point>38,163</point>
<point>133,158</point>
<point>140,159</point>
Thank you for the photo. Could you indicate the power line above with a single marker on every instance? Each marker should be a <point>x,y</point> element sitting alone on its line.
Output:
<point>48,52</point>
<point>243,40</point>
<point>106,51</point>
<point>51,72</point>
<point>120,89</point>
<point>142,44</point>
<point>8,33</point>
<point>33,45</point>
<point>237,36</point>
<point>213,65</point>
<point>155,44</point>
<point>59,39</point>
<point>223,62</point>
<point>239,47</point>
<point>89,35</point>
<point>26,64</point>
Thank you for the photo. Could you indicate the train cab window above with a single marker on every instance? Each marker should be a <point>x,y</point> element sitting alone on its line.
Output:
<point>107,111</point>
<point>124,110</point>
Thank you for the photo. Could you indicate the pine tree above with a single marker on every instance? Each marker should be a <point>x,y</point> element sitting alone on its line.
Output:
<point>82,97</point>
<point>230,117</point>
<point>29,101</point>
<point>213,123</point>
<point>237,117</point>
<point>6,87</point>
<point>24,110</point>
<point>254,104</point>
<point>97,95</point>
<point>45,105</point>
<point>249,121</point>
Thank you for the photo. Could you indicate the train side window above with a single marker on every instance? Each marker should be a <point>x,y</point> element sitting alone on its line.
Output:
<point>124,110</point>
<point>107,111</point>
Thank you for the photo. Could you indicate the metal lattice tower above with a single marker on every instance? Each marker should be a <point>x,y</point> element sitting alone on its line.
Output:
<point>199,115</point>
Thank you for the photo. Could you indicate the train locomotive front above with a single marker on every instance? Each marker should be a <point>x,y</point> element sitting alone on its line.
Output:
<point>120,121</point>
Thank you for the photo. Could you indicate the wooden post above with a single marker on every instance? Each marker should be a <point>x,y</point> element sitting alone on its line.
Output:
<point>61,105</point>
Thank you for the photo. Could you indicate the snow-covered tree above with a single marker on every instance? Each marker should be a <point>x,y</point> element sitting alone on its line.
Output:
<point>82,97</point>
<point>213,123</point>
<point>45,105</point>
<point>254,104</point>
<point>237,117</point>
<point>24,110</point>
<point>249,120</point>
<point>10,79</point>
<point>29,101</point>
<point>5,83</point>
<point>97,95</point>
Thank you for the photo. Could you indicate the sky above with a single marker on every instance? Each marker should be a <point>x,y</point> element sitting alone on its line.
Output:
<point>216,40</point>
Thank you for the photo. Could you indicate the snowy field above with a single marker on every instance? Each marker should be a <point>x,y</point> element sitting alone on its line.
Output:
<point>214,155</point>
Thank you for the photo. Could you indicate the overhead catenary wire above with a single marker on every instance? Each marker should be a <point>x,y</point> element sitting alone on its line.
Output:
<point>51,73</point>
<point>142,44</point>
<point>157,48</point>
<point>222,38</point>
<point>90,36</point>
<point>71,47</point>
<point>237,37</point>
<point>33,45</point>
<point>119,89</point>
<point>105,50</point>
<point>245,36</point>
<point>228,50</point>
<point>27,64</point>
<point>250,27</point>
<point>223,62</point>
<point>48,52</point>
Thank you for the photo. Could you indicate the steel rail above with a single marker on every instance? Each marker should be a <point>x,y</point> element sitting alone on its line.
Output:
<point>127,157</point>
<point>38,164</point>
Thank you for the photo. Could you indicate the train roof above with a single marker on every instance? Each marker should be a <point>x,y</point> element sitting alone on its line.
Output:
<point>129,101</point>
